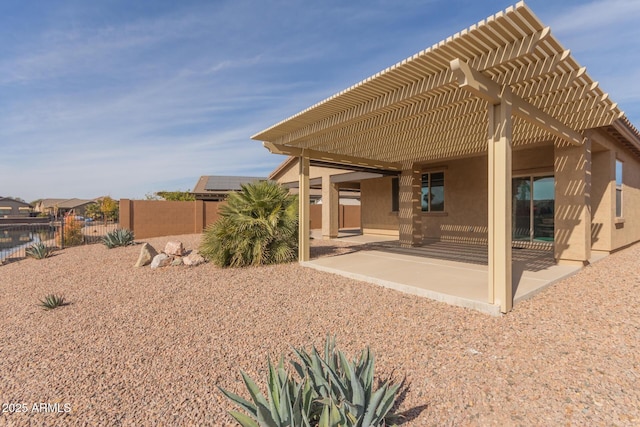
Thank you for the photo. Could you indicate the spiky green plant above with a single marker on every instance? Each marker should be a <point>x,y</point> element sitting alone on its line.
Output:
<point>331,391</point>
<point>346,388</point>
<point>119,237</point>
<point>258,225</point>
<point>52,301</point>
<point>38,251</point>
<point>288,402</point>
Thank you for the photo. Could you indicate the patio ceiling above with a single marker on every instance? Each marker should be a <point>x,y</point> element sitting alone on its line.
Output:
<point>415,111</point>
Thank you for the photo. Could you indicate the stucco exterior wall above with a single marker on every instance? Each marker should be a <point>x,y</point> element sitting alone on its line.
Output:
<point>375,203</point>
<point>602,200</point>
<point>465,217</point>
<point>614,233</point>
<point>465,203</point>
<point>627,232</point>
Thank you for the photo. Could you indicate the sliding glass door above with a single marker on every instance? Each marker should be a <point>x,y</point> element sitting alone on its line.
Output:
<point>533,208</point>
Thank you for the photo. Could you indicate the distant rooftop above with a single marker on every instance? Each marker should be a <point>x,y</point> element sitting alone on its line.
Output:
<point>220,185</point>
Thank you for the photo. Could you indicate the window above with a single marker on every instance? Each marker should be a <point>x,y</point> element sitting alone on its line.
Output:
<point>395,194</point>
<point>433,192</point>
<point>618,189</point>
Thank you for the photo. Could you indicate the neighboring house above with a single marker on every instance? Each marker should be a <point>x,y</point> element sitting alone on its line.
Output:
<point>217,188</point>
<point>14,208</point>
<point>494,136</point>
<point>61,207</point>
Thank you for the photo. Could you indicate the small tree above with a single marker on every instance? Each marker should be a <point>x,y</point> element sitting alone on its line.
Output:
<point>109,208</point>
<point>93,211</point>
<point>258,225</point>
<point>179,196</point>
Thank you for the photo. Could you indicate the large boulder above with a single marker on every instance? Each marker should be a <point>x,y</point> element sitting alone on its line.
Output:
<point>147,253</point>
<point>193,259</point>
<point>174,248</point>
<point>160,260</point>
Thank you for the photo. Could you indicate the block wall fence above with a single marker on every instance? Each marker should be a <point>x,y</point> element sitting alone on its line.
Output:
<point>157,218</point>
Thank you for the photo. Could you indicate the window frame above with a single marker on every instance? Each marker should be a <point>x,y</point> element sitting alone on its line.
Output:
<point>619,189</point>
<point>430,174</point>
<point>395,194</point>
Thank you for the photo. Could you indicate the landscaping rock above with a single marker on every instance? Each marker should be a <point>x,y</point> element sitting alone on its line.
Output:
<point>160,260</point>
<point>174,248</point>
<point>176,261</point>
<point>147,253</point>
<point>193,259</point>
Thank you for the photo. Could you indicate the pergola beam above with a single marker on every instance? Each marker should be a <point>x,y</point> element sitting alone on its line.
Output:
<point>331,157</point>
<point>485,88</point>
<point>430,81</point>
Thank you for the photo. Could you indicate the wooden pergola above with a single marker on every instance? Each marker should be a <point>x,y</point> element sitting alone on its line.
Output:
<point>502,83</point>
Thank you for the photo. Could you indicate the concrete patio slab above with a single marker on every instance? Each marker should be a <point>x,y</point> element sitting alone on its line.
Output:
<point>443,271</point>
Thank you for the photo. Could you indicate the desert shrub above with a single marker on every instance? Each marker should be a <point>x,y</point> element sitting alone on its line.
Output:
<point>38,251</point>
<point>258,225</point>
<point>119,237</point>
<point>73,235</point>
<point>52,301</point>
<point>328,391</point>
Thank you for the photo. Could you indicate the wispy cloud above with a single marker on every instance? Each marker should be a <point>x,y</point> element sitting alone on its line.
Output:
<point>101,99</point>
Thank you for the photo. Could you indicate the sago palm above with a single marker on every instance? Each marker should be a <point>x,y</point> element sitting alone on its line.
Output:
<point>258,225</point>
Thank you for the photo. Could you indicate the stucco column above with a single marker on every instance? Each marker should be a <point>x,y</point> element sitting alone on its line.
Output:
<point>499,192</point>
<point>410,214</point>
<point>330,205</point>
<point>303,210</point>
<point>572,218</point>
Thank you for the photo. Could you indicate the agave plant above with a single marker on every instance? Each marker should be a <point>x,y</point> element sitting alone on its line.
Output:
<point>288,402</point>
<point>346,388</point>
<point>119,237</point>
<point>38,251</point>
<point>52,301</point>
<point>330,392</point>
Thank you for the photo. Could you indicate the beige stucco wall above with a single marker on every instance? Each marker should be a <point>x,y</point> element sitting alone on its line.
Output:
<point>466,181</point>
<point>602,199</point>
<point>375,203</point>
<point>465,203</point>
<point>611,233</point>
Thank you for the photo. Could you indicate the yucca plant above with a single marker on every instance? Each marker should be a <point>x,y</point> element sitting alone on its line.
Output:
<point>119,237</point>
<point>38,251</point>
<point>258,225</point>
<point>52,301</point>
<point>330,391</point>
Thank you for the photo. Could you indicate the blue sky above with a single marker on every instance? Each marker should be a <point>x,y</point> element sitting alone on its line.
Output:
<point>125,98</point>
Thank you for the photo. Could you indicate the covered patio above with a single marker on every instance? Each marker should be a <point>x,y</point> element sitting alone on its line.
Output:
<point>502,85</point>
<point>455,273</point>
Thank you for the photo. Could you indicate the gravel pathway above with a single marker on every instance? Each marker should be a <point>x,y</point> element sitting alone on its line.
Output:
<point>148,347</point>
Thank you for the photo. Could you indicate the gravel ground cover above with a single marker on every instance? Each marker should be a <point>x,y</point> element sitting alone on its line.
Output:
<point>148,347</point>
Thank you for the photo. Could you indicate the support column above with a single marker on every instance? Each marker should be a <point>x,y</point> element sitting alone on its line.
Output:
<point>499,227</point>
<point>572,217</point>
<point>303,210</point>
<point>330,206</point>
<point>410,214</point>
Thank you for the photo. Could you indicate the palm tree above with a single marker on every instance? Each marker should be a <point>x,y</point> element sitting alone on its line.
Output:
<point>258,225</point>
